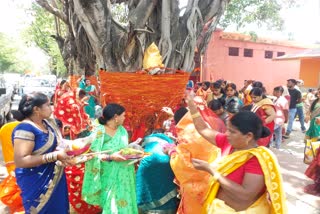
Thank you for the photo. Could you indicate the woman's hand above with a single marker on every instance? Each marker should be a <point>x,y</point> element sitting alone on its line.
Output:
<point>202,165</point>
<point>167,110</point>
<point>318,120</point>
<point>64,158</point>
<point>117,157</point>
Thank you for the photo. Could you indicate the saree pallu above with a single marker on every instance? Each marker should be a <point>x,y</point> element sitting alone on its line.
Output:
<point>110,185</point>
<point>259,109</point>
<point>193,183</point>
<point>70,111</point>
<point>43,188</point>
<point>155,188</point>
<point>74,176</point>
<point>272,201</point>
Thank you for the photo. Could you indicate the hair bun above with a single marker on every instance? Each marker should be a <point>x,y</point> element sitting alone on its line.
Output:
<point>265,132</point>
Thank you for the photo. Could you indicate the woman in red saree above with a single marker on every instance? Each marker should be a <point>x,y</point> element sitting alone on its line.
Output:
<point>264,108</point>
<point>69,110</point>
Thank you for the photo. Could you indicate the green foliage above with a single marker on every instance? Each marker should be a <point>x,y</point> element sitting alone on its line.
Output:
<point>9,56</point>
<point>40,33</point>
<point>120,13</point>
<point>263,13</point>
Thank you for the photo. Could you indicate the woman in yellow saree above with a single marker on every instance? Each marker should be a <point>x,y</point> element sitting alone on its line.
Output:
<point>247,180</point>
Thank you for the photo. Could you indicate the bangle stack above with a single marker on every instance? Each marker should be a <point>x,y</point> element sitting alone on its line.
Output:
<point>50,157</point>
<point>195,115</point>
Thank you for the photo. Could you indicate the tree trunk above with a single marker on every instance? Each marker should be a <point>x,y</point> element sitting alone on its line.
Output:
<point>97,40</point>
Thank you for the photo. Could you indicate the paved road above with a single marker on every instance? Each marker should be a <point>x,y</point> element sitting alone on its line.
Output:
<point>290,158</point>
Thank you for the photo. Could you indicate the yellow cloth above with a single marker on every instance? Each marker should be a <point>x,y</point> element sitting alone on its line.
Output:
<point>152,57</point>
<point>193,183</point>
<point>273,181</point>
<point>7,146</point>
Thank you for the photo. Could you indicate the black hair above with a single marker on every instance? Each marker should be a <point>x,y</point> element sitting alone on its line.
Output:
<point>215,105</point>
<point>292,80</point>
<point>82,93</point>
<point>246,107</point>
<point>178,115</point>
<point>233,106</point>
<point>29,101</point>
<point>256,91</point>
<point>62,82</point>
<point>246,121</point>
<point>216,85</point>
<point>310,90</point>
<point>207,84</point>
<point>109,111</point>
<point>257,84</point>
<point>279,88</point>
<point>17,115</point>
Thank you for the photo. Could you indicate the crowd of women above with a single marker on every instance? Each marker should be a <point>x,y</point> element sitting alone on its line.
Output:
<point>211,158</point>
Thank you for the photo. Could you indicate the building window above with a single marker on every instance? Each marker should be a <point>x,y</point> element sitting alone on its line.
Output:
<point>233,51</point>
<point>248,52</point>
<point>268,54</point>
<point>281,53</point>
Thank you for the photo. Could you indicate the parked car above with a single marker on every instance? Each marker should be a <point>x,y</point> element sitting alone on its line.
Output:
<point>35,84</point>
<point>6,95</point>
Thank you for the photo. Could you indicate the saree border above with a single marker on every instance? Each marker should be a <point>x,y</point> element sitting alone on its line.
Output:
<point>44,198</point>
<point>173,193</point>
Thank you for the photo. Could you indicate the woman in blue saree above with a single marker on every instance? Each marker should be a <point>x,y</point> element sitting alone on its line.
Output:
<point>42,182</point>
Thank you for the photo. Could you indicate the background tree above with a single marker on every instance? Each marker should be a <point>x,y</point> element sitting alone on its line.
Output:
<point>113,34</point>
<point>42,32</point>
<point>240,13</point>
<point>10,56</point>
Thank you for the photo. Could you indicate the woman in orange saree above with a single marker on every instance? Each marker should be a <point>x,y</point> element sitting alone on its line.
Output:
<point>193,184</point>
<point>9,190</point>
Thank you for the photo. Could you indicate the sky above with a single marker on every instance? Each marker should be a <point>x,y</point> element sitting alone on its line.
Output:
<point>302,23</point>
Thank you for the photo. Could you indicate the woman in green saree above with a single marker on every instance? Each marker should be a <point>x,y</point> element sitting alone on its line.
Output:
<point>109,182</point>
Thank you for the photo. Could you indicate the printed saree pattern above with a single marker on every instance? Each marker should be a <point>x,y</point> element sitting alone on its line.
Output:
<point>114,182</point>
<point>273,182</point>
<point>70,111</point>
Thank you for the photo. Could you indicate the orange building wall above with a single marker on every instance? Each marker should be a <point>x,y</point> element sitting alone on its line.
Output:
<point>218,64</point>
<point>310,72</point>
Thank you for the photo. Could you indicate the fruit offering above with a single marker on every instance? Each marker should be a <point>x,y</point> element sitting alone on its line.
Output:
<point>130,153</point>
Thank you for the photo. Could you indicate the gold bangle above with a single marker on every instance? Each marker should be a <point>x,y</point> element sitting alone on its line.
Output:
<point>195,115</point>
